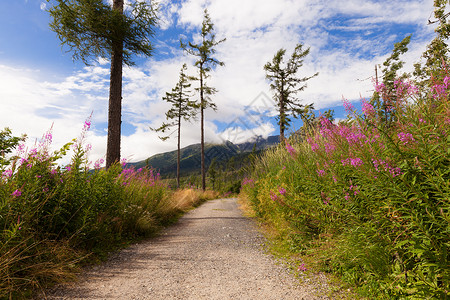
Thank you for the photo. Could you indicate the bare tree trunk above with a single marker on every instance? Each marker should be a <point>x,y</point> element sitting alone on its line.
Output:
<point>282,114</point>
<point>202,120</point>
<point>178,154</point>
<point>115,98</point>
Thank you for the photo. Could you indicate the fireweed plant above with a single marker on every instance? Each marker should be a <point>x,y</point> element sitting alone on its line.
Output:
<point>369,199</point>
<point>52,217</point>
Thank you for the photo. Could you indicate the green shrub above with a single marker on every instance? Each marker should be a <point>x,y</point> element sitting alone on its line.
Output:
<point>380,190</point>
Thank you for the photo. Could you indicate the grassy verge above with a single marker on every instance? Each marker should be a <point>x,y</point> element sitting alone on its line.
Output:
<point>368,199</point>
<point>54,219</point>
<point>303,266</point>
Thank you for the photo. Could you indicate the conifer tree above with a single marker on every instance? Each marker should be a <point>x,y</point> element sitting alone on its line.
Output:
<point>285,84</point>
<point>392,65</point>
<point>182,108</point>
<point>205,62</point>
<point>92,29</point>
<point>437,52</point>
<point>8,143</point>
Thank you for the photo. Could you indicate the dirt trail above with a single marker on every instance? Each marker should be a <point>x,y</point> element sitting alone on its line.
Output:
<point>213,252</point>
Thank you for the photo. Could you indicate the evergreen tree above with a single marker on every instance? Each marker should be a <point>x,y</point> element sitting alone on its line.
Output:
<point>204,52</point>
<point>91,29</point>
<point>8,143</point>
<point>285,84</point>
<point>182,108</point>
<point>384,105</point>
<point>437,52</point>
<point>212,172</point>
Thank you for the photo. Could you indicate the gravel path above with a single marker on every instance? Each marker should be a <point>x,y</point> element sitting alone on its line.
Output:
<point>213,252</point>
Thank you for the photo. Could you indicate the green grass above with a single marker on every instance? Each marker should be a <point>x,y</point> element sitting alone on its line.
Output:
<point>367,199</point>
<point>55,219</point>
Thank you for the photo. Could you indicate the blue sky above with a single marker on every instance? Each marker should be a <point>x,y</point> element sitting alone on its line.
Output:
<point>41,85</point>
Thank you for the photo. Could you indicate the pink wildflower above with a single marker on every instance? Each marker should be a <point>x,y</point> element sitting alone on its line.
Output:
<point>349,108</point>
<point>123,161</point>
<point>7,173</point>
<point>367,108</point>
<point>406,138</point>
<point>290,149</point>
<point>16,193</point>
<point>282,191</point>
<point>302,268</point>
<point>273,196</point>
<point>356,162</point>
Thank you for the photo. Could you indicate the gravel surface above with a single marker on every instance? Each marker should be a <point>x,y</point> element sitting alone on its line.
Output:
<point>213,252</point>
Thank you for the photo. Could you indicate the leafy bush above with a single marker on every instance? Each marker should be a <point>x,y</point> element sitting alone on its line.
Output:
<point>375,192</point>
<point>53,217</point>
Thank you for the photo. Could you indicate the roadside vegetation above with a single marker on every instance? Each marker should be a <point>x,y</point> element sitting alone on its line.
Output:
<point>368,198</point>
<point>54,219</point>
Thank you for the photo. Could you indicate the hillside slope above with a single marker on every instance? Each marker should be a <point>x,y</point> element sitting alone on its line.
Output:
<point>166,163</point>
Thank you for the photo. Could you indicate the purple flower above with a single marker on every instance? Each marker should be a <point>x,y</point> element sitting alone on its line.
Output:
<point>247,181</point>
<point>302,268</point>
<point>356,162</point>
<point>16,193</point>
<point>7,173</point>
<point>273,196</point>
<point>367,108</point>
<point>282,191</point>
<point>290,149</point>
<point>406,138</point>
<point>123,161</point>
<point>87,124</point>
<point>321,172</point>
<point>349,108</point>
<point>98,163</point>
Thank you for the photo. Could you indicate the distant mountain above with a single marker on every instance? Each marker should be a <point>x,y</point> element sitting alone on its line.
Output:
<point>190,162</point>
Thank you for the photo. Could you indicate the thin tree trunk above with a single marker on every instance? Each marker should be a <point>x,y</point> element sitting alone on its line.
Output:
<point>178,154</point>
<point>202,130</point>
<point>115,98</point>
<point>282,114</point>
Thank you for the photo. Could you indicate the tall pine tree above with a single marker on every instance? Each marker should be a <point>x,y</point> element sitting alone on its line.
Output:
<point>285,83</point>
<point>205,62</point>
<point>182,108</point>
<point>92,29</point>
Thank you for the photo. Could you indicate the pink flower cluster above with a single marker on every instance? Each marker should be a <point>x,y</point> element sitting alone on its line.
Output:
<point>248,181</point>
<point>381,165</point>
<point>290,149</point>
<point>406,138</point>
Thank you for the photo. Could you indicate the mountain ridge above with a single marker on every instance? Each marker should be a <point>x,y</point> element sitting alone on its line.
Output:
<point>166,162</point>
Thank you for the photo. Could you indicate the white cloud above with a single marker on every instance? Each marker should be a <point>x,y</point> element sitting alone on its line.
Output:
<point>255,30</point>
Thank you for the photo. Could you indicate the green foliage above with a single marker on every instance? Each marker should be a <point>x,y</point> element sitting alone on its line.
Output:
<point>51,218</point>
<point>204,52</point>
<point>285,84</point>
<point>8,143</point>
<point>181,108</point>
<point>369,202</point>
<point>383,105</point>
<point>90,28</point>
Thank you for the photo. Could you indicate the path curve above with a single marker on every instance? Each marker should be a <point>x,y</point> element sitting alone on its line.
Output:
<point>213,252</point>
